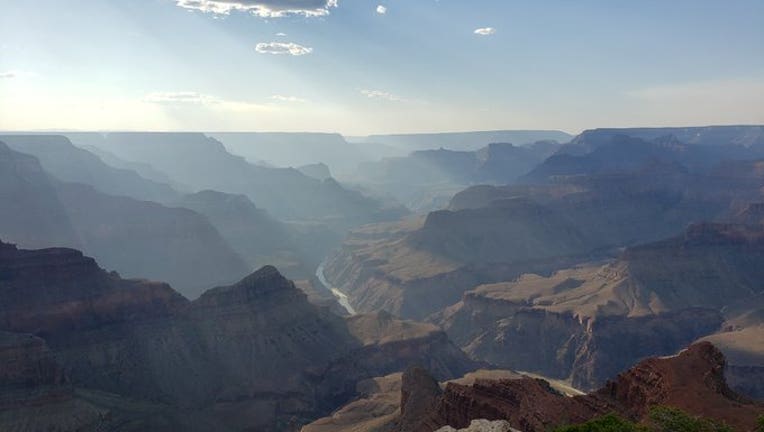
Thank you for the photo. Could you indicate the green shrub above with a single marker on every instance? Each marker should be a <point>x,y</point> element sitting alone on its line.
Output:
<point>662,419</point>
<point>608,423</point>
<point>665,419</point>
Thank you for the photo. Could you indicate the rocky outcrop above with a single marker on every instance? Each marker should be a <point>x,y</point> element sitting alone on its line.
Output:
<point>692,381</point>
<point>29,373</point>
<point>482,426</point>
<point>419,392</point>
<point>255,354</point>
<point>376,409</point>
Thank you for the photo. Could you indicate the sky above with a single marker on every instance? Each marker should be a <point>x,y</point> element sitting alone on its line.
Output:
<point>385,66</point>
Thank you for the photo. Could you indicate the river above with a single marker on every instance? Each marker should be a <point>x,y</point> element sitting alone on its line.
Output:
<point>342,298</point>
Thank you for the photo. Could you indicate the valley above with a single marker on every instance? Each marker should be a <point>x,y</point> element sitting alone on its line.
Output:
<point>194,289</point>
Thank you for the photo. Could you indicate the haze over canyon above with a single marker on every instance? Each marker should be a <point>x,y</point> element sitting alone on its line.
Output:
<point>397,216</point>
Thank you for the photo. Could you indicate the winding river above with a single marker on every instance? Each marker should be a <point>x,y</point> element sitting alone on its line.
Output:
<point>342,298</point>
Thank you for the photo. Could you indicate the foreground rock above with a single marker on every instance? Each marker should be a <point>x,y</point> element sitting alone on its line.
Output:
<point>482,426</point>
<point>252,355</point>
<point>692,381</point>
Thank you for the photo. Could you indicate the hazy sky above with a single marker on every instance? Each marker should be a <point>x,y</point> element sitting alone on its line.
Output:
<point>358,66</point>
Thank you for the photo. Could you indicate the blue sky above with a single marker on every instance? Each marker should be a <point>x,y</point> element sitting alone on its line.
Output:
<point>420,66</point>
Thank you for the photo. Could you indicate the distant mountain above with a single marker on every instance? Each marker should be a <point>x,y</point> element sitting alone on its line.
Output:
<point>32,213</point>
<point>203,163</point>
<point>68,163</point>
<point>290,149</point>
<point>465,141</point>
<point>593,153</point>
<point>713,136</point>
<point>137,238</point>
<point>143,169</point>
<point>318,171</point>
<point>251,232</point>
<point>146,239</point>
<point>92,351</point>
<point>425,174</point>
<point>493,164</point>
<point>618,150</point>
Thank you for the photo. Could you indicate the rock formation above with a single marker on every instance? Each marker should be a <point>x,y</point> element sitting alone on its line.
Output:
<point>692,381</point>
<point>32,213</point>
<point>255,354</point>
<point>588,322</point>
<point>68,163</point>
<point>284,192</point>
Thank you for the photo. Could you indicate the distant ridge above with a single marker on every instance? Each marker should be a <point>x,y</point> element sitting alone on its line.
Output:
<point>466,140</point>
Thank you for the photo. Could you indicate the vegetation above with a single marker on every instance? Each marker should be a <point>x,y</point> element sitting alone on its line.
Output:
<point>661,419</point>
<point>665,419</point>
<point>608,423</point>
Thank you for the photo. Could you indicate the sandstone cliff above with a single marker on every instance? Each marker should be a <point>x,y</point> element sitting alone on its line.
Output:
<point>588,322</point>
<point>692,381</point>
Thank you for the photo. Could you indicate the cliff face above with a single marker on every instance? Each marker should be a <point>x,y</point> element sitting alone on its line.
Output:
<point>255,354</point>
<point>488,230</point>
<point>588,322</point>
<point>561,345</point>
<point>692,381</point>
<point>175,245</point>
<point>28,363</point>
<point>31,213</point>
<point>256,236</point>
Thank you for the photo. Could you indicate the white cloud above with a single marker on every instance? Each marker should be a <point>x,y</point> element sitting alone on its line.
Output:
<point>7,75</point>
<point>379,94</point>
<point>485,31</point>
<point>281,34</point>
<point>175,98</point>
<point>381,10</point>
<point>290,99</point>
<point>262,8</point>
<point>189,99</point>
<point>282,48</point>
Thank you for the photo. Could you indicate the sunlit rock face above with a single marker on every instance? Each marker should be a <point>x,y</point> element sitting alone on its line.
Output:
<point>591,321</point>
<point>692,381</point>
